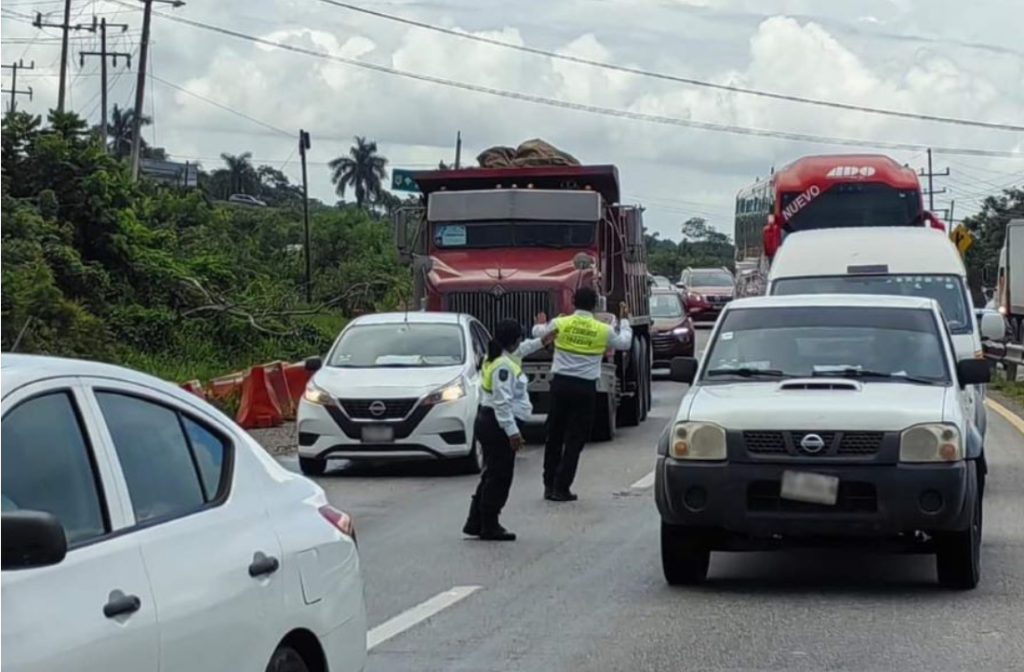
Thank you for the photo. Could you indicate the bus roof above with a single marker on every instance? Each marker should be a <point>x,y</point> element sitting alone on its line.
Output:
<point>809,170</point>
<point>602,179</point>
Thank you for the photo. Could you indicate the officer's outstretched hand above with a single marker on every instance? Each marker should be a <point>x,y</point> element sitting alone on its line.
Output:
<point>541,318</point>
<point>624,310</point>
<point>549,337</point>
<point>517,442</point>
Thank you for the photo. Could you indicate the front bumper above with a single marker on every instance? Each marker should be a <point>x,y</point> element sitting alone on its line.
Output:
<point>441,431</point>
<point>742,501</point>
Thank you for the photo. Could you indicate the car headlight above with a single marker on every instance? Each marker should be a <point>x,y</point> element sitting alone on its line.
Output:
<point>697,441</point>
<point>315,394</point>
<point>450,392</point>
<point>680,331</point>
<point>931,443</point>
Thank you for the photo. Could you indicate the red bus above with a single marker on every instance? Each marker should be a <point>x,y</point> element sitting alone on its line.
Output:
<point>819,192</point>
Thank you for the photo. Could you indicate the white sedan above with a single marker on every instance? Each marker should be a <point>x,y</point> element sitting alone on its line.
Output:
<point>144,531</point>
<point>395,386</point>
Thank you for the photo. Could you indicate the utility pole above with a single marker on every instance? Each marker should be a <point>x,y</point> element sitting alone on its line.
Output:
<point>458,150</point>
<point>931,175</point>
<point>304,146</point>
<point>140,84</point>
<point>14,67</point>
<point>104,54</point>
<point>66,29</point>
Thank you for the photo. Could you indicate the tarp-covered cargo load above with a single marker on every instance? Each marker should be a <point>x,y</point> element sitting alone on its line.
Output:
<point>532,153</point>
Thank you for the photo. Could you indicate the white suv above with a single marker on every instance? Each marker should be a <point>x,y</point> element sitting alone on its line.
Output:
<point>145,531</point>
<point>825,420</point>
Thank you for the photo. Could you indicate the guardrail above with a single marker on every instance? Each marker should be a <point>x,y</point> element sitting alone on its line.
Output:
<point>1010,355</point>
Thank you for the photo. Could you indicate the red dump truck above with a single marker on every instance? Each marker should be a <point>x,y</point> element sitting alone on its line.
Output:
<point>500,243</point>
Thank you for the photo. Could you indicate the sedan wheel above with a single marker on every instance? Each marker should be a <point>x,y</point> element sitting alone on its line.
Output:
<point>287,659</point>
<point>311,466</point>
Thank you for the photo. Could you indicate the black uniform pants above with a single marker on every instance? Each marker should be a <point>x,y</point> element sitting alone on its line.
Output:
<point>570,419</point>
<point>499,463</point>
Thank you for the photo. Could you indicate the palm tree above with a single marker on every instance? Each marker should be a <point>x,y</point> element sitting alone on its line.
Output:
<point>242,175</point>
<point>363,169</point>
<point>119,130</point>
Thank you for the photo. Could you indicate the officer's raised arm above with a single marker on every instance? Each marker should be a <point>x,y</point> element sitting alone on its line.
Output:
<point>621,337</point>
<point>542,327</point>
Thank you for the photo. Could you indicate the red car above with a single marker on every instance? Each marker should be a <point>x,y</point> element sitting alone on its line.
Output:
<point>672,329</point>
<point>707,291</point>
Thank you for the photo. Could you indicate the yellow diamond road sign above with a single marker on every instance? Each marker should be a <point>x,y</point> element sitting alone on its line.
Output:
<point>962,238</point>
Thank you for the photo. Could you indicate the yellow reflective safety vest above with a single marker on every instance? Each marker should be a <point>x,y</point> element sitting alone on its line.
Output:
<point>487,372</point>
<point>581,335</point>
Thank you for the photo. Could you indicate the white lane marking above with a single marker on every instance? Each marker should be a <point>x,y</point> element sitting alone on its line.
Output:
<point>1009,415</point>
<point>644,483</point>
<point>416,615</point>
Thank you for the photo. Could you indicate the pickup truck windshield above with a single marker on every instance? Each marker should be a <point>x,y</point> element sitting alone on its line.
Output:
<point>852,205</point>
<point>948,290</point>
<point>871,344</point>
<point>476,235</point>
<point>399,345</point>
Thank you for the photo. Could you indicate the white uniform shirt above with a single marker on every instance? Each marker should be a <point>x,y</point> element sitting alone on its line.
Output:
<point>587,367</point>
<point>509,396</point>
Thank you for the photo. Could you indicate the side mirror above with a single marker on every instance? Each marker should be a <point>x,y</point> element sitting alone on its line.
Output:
<point>683,370</point>
<point>973,372</point>
<point>33,539</point>
<point>992,326</point>
<point>314,364</point>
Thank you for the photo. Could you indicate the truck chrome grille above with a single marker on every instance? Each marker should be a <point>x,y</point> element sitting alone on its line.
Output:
<point>491,307</point>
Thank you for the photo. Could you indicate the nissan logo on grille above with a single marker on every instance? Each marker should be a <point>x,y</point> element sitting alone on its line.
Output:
<point>812,443</point>
<point>378,408</point>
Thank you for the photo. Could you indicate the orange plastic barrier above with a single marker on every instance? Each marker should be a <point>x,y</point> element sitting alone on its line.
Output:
<point>194,387</point>
<point>297,378</point>
<point>259,407</point>
<point>279,385</point>
<point>225,386</point>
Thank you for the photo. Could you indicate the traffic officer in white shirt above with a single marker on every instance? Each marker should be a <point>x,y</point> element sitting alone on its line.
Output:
<point>504,401</point>
<point>580,346</point>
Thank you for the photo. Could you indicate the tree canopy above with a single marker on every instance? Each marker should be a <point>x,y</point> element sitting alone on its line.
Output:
<point>363,170</point>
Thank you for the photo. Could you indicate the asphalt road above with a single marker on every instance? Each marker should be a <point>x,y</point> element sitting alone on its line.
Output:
<point>582,589</point>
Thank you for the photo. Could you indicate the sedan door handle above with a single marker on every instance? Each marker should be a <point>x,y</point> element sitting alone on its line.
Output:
<point>120,604</point>
<point>263,565</point>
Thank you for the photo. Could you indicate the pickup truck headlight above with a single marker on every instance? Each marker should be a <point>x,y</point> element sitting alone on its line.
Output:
<point>315,394</point>
<point>450,392</point>
<point>697,441</point>
<point>931,443</point>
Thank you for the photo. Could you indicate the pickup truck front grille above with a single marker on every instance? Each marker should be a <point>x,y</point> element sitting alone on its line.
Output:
<point>491,306</point>
<point>836,444</point>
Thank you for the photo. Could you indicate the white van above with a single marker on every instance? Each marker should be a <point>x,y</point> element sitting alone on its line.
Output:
<point>907,261</point>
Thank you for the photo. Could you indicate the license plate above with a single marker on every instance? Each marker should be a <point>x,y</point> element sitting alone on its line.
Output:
<point>811,488</point>
<point>378,434</point>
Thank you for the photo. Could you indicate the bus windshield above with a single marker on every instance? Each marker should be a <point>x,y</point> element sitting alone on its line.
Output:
<point>851,205</point>
<point>476,235</point>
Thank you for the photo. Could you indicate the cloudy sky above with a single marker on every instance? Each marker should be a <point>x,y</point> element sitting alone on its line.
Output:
<point>937,57</point>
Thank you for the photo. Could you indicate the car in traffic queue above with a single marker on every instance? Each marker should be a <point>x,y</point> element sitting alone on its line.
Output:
<point>395,386</point>
<point>897,261</point>
<point>145,531</point>
<point>707,291</point>
<point>824,420</point>
<point>672,333</point>
<point>660,282</point>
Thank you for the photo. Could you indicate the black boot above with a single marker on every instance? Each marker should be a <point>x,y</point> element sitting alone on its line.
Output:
<point>473,524</point>
<point>562,496</point>
<point>549,491</point>
<point>492,530</point>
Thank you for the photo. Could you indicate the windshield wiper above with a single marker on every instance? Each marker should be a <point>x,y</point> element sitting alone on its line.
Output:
<point>746,372</point>
<point>851,372</point>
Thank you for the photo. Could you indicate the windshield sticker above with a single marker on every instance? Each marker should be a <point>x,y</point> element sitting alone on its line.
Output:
<point>452,235</point>
<point>727,336</point>
<point>801,202</point>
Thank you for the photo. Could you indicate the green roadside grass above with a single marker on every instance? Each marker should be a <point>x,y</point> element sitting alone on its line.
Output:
<point>1014,391</point>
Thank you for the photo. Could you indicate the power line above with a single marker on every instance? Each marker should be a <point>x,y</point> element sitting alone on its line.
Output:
<point>221,106</point>
<point>673,78</point>
<point>593,109</point>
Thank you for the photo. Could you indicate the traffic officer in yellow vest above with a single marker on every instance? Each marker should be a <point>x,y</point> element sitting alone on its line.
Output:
<point>580,345</point>
<point>504,401</point>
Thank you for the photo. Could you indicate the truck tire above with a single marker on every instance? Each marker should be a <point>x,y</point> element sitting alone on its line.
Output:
<point>685,555</point>
<point>631,407</point>
<point>958,557</point>
<point>604,418</point>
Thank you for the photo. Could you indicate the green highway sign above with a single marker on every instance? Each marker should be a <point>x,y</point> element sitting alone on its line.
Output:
<point>402,180</point>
